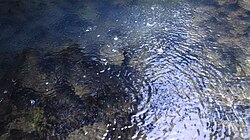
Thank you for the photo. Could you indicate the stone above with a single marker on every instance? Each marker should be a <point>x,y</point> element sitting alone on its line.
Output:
<point>114,55</point>
<point>59,92</point>
<point>245,4</point>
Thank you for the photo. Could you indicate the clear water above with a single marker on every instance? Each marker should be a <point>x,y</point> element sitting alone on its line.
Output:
<point>115,69</point>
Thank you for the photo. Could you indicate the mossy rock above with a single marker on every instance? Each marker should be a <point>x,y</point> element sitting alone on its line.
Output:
<point>92,132</point>
<point>67,90</point>
<point>29,120</point>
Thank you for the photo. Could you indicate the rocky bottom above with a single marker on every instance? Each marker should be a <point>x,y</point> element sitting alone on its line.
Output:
<point>65,94</point>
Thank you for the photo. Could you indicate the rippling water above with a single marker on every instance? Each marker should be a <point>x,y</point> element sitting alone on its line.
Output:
<point>140,70</point>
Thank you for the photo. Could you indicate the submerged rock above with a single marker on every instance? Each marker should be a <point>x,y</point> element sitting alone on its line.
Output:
<point>52,95</point>
<point>245,4</point>
<point>112,54</point>
<point>89,12</point>
<point>94,132</point>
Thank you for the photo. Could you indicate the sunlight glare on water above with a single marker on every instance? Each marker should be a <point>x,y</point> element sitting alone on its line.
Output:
<point>185,95</point>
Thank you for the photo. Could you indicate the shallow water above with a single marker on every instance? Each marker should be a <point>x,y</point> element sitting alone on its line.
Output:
<point>115,69</point>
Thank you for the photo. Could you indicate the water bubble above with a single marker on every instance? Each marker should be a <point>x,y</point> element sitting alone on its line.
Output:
<point>32,102</point>
<point>113,50</point>
<point>85,133</point>
<point>116,38</point>
<point>104,135</point>
<point>89,29</point>
<point>103,59</point>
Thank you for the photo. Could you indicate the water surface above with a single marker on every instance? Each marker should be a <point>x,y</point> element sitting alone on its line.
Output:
<point>114,69</point>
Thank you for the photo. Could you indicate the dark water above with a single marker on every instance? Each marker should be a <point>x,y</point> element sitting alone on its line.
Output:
<point>116,69</point>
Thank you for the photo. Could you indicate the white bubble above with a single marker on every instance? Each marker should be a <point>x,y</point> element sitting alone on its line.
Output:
<point>32,102</point>
<point>86,133</point>
<point>116,38</point>
<point>113,50</point>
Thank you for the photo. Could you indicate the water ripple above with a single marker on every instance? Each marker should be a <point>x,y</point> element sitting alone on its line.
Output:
<point>143,70</point>
<point>184,91</point>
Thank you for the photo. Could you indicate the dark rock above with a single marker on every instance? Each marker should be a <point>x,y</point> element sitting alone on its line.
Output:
<point>72,90</point>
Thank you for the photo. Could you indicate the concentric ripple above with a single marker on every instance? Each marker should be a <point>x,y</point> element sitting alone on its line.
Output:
<point>185,90</point>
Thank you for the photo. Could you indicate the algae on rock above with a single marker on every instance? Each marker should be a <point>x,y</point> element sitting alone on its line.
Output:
<point>59,92</point>
<point>29,121</point>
